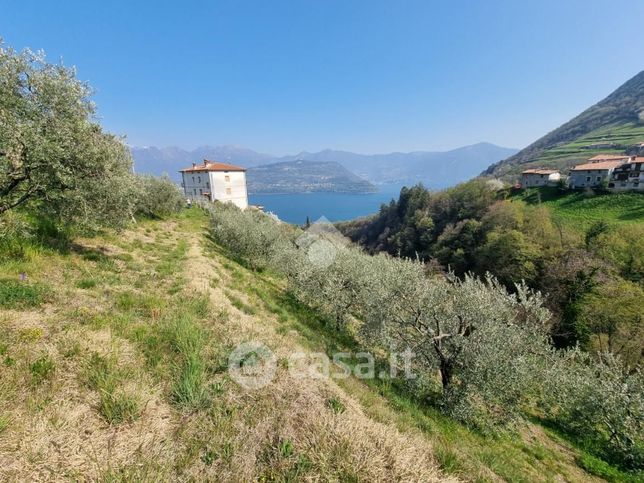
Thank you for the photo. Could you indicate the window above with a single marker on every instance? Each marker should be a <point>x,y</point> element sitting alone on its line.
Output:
<point>199,180</point>
<point>229,191</point>
<point>227,178</point>
<point>587,178</point>
<point>195,191</point>
<point>599,178</point>
<point>200,191</point>
<point>207,184</point>
<point>193,179</point>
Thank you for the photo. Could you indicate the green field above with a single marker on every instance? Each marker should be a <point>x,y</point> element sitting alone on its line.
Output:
<point>581,209</point>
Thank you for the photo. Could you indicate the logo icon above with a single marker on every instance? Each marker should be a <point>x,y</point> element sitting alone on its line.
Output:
<point>252,365</point>
<point>322,241</point>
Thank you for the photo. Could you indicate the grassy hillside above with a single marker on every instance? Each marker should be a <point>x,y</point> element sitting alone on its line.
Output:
<point>617,120</point>
<point>578,210</point>
<point>114,367</point>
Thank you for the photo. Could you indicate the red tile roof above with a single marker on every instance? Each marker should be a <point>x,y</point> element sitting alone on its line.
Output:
<point>610,157</point>
<point>597,165</point>
<point>211,166</point>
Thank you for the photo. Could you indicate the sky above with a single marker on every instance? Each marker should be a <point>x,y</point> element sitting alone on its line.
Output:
<point>369,76</point>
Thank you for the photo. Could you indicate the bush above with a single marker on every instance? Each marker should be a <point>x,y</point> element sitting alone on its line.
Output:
<point>599,403</point>
<point>158,196</point>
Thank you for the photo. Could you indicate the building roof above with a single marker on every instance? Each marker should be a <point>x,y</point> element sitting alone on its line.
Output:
<point>540,171</point>
<point>600,165</point>
<point>609,157</point>
<point>211,166</point>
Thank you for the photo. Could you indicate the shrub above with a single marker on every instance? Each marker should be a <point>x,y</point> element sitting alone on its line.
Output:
<point>158,197</point>
<point>600,403</point>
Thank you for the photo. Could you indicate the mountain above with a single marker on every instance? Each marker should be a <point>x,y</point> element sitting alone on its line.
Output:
<point>613,125</point>
<point>434,169</point>
<point>153,160</point>
<point>301,176</point>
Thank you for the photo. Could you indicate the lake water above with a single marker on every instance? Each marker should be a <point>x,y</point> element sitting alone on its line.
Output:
<point>294,208</point>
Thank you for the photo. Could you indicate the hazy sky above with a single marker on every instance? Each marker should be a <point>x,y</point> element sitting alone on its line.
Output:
<point>368,76</point>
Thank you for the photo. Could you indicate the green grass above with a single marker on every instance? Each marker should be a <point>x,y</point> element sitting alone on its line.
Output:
<point>42,369</point>
<point>16,294</point>
<point>579,209</point>
<point>116,404</point>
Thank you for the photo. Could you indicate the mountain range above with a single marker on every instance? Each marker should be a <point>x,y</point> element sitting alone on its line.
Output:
<point>613,125</point>
<point>436,169</point>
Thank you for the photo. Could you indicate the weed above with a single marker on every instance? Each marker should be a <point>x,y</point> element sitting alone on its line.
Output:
<point>86,283</point>
<point>4,423</point>
<point>116,405</point>
<point>286,448</point>
<point>336,405</point>
<point>42,369</point>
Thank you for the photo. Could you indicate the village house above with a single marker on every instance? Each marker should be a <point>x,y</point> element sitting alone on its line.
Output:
<point>597,171</point>
<point>539,177</point>
<point>628,176</point>
<point>215,182</point>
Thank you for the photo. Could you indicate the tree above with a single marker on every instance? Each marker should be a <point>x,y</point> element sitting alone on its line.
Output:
<point>158,197</point>
<point>54,158</point>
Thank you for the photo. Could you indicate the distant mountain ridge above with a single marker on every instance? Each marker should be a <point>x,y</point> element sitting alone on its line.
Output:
<point>433,168</point>
<point>301,176</point>
<point>615,124</point>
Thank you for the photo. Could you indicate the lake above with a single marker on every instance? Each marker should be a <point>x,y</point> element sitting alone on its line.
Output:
<point>294,208</point>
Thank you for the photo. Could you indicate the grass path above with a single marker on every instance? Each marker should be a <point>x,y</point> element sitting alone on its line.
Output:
<point>113,367</point>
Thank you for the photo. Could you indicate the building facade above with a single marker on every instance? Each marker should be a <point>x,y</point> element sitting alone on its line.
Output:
<point>531,178</point>
<point>216,182</point>
<point>593,174</point>
<point>628,176</point>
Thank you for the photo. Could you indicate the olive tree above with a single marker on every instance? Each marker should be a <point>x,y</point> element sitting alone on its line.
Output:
<point>158,196</point>
<point>54,157</point>
<point>597,399</point>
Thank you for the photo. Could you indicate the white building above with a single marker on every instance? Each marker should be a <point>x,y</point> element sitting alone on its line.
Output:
<point>598,170</point>
<point>628,176</point>
<point>216,182</point>
<point>539,177</point>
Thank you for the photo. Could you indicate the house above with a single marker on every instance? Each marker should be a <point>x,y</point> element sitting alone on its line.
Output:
<point>628,176</point>
<point>597,171</point>
<point>216,182</point>
<point>539,177</point>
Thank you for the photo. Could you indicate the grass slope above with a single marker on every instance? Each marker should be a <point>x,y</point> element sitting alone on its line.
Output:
<point>114,367</point>
<point>579,209</point>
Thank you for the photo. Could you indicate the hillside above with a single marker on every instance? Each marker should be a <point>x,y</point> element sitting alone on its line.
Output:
<point>579,211</point>
<point>615,124</point>
<point>115,368</point>
<point>305,177</point>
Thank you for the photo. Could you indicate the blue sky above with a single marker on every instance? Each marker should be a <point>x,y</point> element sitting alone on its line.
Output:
<point>368,76</point>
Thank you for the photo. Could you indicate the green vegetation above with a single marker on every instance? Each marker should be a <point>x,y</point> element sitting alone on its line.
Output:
<point>22,294</point>
<point>579,210</point>
<point>583,252</point>
<point>490,347</point>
